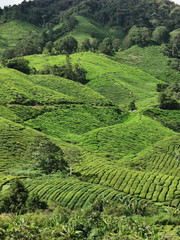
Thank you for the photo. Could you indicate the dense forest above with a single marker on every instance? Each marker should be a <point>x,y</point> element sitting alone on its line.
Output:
<point>90,120</point>
<point>143,13</point>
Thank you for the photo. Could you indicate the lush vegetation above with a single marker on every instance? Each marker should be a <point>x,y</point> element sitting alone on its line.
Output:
<point>89,120</point>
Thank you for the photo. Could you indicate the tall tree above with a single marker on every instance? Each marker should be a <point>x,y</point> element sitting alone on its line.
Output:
<point>67,45</point>
<point>72,156</point>
<point>160,35</point>
<point>48,156</point>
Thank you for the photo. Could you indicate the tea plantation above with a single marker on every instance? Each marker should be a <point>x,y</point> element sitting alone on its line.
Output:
<point>81,149</point>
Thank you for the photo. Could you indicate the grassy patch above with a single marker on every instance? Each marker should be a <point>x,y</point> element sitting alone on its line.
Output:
<point>88,28</point>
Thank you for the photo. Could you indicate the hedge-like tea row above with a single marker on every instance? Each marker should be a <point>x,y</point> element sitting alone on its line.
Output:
<point>157,187</point>
<point>69,192</point>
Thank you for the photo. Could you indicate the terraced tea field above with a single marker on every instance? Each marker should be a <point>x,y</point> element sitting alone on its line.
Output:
<point>106,75</point>
<point>121,153</point>
<point>149,185</point>
<point>71,193</point>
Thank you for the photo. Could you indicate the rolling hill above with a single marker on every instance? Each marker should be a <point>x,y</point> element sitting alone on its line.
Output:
<point>82,146</point>
<point>111,79</point>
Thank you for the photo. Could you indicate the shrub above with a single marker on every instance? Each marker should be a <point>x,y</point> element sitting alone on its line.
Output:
<point>19,64</point>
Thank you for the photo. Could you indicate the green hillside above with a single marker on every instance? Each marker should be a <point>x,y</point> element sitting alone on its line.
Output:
<point>69,122</point>
<point>70,193</point>
<point>125,140</point>
<point>169,118</point>
<point>90,136</point>
<point>87,28</point>
<point>15,139</point>
<point>118,82</point>
<point>18,89</point>
<point>163,157</point>
<point>157,187</point>
<point>14,31</point>
<point>70,88</point>
<point>151,60</point>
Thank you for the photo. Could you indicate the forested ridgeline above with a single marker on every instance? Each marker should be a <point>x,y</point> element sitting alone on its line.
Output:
<point>149,13</point>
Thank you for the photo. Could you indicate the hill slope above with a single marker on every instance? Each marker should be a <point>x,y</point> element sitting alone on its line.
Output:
<point>151,60</point>
<point>14,31</point>
<point>125,140</point>
<point>118,82</point>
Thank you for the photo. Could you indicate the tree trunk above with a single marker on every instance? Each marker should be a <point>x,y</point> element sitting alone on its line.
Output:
<point>70,170</point>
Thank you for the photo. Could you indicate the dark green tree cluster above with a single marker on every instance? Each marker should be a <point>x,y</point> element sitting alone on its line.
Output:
<point>17,199</point>
<point>172,50</point>
<point>169,96</point>
<point>48,156</point>
<point>67,45</point>
<point>110,12</point>
<point>107,46</point>
<point>144,36</point>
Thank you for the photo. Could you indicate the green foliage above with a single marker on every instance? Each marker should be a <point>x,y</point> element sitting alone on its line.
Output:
<point>67,45</point>
<point>151,60</point>
<point>108,13</point>
<point>115,81</point>
<point>72,156</point>
<point>86,45</point>
<point>174,63</point>
<point>169,94</point>
<point>81,92</point>
<point>161,87</point>
<point>68,123</point>
<point>166,102</point>
<point>76,73</point>
<point>169,118</point>
<point>113,154</point>
<point>133,37</point>
<point>34,203</point>
<point>8,54</point>
<point>49,46</point>
<point>106,47</point>
<point>95,44</point>
<point>116,44</point>
<point>124,139</point>
<point>48,156</point>
<point>132,106</point>
<point>19,64</point>
<point>15,199</point>
<point>175,44</point>
<point>160,35</point>
<point>13,31</point>
<point>18,89</point>
<point>22,230</point>
<point>138,35</point>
